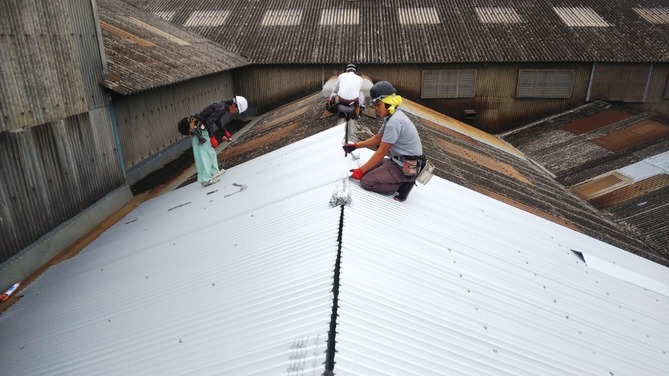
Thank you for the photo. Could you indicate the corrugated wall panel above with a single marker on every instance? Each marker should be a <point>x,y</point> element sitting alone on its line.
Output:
<point>147,121</point>
<point>51,173</point>
<point>40,74</point>
<point>84,27</point>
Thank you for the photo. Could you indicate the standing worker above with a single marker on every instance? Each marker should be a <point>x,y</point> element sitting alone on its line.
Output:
<point>397,135</point>
<point>347,90</point>
<point>200,128</point>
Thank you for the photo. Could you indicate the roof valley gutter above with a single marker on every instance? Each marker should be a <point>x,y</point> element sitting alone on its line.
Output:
<point>329,359</point>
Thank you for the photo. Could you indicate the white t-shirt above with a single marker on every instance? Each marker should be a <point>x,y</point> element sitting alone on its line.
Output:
<point>348,86</point>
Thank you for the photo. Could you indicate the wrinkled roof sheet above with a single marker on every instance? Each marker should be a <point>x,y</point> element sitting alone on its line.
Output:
<point>231,281</point>
<point>145,52</point>
<point>614,158</point>
<point>427,31</point>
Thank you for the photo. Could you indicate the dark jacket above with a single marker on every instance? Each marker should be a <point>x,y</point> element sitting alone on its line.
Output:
<point>211,115</point>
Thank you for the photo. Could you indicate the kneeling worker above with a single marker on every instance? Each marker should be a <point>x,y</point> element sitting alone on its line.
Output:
<point>397,135</point>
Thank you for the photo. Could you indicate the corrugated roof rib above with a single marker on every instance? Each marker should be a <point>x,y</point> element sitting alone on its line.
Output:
<point>418,16</point>
<point>330,17</point>
<point>282,17</point>
<point>659,15</point>
<point>208,18</point>
<point>498,15</point>
<point>580,17</point>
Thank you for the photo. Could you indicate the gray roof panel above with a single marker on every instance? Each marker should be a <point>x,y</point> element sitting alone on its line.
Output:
<point>431,31</point>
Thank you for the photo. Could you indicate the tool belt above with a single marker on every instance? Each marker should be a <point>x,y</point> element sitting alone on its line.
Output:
<point>411,164</point>
<point>347,102</point>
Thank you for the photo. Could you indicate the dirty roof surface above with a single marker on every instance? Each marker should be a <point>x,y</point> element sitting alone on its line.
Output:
<point>241,278</point>
<point>616,159</point>
<point>463,155</point>
<point>144,52</point>
<point>367,32</point>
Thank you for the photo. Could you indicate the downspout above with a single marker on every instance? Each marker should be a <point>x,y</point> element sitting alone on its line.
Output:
<point>105,72</point>
<point>645,90</point>
<point>592,77</point>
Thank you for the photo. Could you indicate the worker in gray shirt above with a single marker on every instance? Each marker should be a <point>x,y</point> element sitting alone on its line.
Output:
<point>398,137</point>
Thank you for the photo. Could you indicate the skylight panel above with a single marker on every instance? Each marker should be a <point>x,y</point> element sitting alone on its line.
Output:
<point>207,18</point>
<point>654,15</point>
<point>498,15</point>
<point>166,15</point>
<point>282,17</point>
<point>418,16</point>
<point>340,17</point>
<point>580,17</point>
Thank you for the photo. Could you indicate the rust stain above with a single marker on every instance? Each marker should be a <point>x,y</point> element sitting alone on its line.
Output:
<point>450,132</point>
<point>631,191</point>
<point>484,161</point>
<point>637,134</point>
<point>596,186</point>
<point>282,119</point>
<point>529,209</point>
<point>596,121</point>
<point>257,142</point>
<point>126,35</point>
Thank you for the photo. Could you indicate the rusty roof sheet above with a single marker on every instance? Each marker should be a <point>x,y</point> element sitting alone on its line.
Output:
<point>427,31</point>
<point>611,157</point>
<point>145,52</point>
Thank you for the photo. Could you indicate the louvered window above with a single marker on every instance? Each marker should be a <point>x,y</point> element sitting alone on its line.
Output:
<point>545,83</point>
<point>448,83</point>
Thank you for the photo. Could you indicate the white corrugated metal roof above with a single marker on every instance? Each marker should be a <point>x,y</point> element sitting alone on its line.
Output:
<point>452,282</point>
<point>220,280</point>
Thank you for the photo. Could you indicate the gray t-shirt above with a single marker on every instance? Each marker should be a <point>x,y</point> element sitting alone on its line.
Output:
<point>402,135</point>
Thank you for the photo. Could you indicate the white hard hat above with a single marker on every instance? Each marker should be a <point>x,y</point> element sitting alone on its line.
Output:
<point>241,102</point>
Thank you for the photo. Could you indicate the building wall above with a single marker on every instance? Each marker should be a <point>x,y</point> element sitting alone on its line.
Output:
<point>58,152</point>
<point>495,103</point>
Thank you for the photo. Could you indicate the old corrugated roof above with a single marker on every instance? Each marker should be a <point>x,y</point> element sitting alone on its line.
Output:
<point>145,52</point>
<point>427,31</point>
<point>614,158</point>
<point>240,281</point>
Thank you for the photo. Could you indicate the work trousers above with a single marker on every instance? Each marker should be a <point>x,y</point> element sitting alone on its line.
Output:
<point>206,162</point>
<point>384,178</point>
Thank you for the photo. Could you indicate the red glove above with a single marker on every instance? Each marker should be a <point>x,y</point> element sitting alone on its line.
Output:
<point>214,141</point>
<point>357,174</point>
<point>228,136</point>
<point>350,147</point>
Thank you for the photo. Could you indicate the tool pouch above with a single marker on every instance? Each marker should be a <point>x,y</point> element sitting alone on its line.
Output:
<point>410,166</point>
<point>426,171</point>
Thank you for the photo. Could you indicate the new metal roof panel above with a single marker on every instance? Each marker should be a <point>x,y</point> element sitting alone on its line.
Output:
<point>214,280</point>
<point>225,280</point>
<point>452,282</point>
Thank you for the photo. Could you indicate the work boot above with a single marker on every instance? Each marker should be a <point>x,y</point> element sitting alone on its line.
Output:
<point>403,191</point>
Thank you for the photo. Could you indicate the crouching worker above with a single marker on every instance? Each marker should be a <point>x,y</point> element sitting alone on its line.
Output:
<point>206,162</point>
<point>213,113</point>
<point>397,136</point>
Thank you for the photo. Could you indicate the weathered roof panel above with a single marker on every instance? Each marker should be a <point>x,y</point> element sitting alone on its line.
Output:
<point>609,156</point>
<point>144,52</point>
<point>430,31</point>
